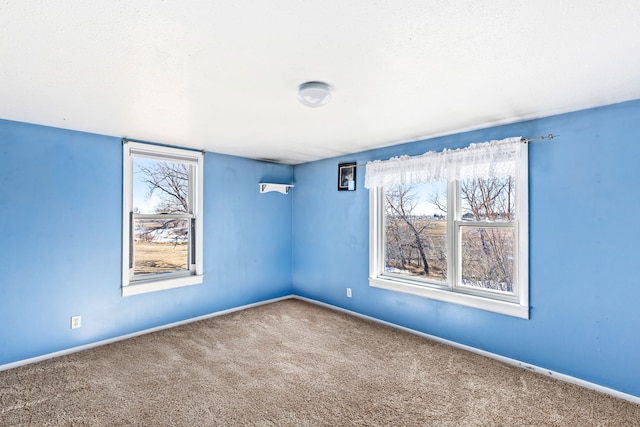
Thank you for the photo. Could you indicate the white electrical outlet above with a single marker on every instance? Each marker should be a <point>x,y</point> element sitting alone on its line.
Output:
<point>76,322</point>
<point>348,292</point>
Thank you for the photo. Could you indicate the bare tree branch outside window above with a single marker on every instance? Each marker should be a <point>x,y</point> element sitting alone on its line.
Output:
<point>415,242</point>
<point>170,181</point>
<point>488,253</point>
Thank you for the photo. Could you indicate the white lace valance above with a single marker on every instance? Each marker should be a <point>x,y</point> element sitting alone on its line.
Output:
<point>494,159</point>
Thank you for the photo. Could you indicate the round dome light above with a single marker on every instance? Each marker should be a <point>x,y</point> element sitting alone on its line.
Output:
<point>314,94</point>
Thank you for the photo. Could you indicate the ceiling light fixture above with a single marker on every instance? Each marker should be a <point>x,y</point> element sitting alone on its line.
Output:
<point>314,94</point>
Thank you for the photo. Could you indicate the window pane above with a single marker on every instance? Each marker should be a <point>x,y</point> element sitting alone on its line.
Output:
<point>492,199</point>
<point>415,230</point>
<point>488,259</point>
<point>160,246</point>
<point>160,186</point>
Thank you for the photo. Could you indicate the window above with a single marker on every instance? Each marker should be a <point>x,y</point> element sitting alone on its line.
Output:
<point>452,226</point>
<point>162,218</point>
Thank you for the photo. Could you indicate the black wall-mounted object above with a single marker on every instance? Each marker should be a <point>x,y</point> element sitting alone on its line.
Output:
<point>347,176</point>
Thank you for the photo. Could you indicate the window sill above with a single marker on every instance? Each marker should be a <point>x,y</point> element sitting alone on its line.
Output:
<point>160,285</point>
<point>496,306</point>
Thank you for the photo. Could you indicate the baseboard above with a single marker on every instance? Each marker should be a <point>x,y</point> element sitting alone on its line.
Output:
<point>514,362</point>
<point>135,334</point>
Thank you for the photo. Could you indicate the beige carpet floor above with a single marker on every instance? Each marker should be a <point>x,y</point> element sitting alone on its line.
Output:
<point>292,363</point>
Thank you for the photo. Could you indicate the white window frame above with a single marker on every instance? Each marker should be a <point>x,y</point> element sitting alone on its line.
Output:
<point>158,282</point>
<point>516,305</point>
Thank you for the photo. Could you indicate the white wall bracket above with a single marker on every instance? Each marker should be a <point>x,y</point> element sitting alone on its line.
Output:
<point>265,187</point>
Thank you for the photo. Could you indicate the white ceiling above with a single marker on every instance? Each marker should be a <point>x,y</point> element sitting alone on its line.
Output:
<point>222,75</point>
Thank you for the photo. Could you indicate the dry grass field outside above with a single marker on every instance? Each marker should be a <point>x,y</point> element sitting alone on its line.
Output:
<point>159,257</point>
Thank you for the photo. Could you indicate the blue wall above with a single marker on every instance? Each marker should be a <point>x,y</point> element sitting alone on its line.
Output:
<point>584,246</point>
<point>60,227</point>
<point>60,222</point>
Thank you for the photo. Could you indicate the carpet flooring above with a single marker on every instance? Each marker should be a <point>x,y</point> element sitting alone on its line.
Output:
<point>292,363</point>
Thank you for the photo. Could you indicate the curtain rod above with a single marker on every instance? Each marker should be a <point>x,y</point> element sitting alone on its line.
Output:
<point>540,138</point>
<point>523,140</point>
